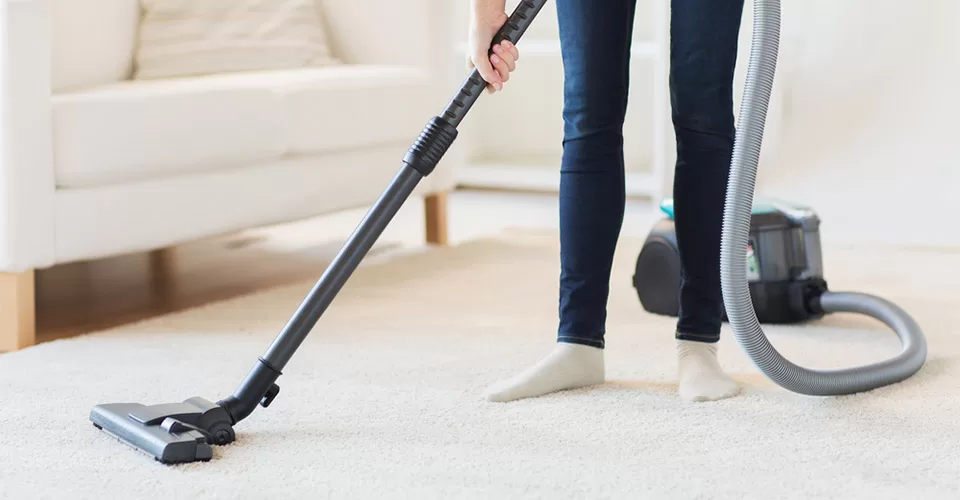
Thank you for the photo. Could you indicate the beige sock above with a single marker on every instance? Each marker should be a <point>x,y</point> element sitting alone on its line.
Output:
<point>568,366</point>
<point>700,375</point>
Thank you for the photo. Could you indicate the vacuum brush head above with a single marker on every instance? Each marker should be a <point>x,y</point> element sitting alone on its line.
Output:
<point>171,433</point>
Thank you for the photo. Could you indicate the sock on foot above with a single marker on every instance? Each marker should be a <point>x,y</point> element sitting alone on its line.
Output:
<point>700,375</point>
<point>568,366</point>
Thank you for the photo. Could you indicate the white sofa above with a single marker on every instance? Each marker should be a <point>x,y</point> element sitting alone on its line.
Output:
<point>96,164</point>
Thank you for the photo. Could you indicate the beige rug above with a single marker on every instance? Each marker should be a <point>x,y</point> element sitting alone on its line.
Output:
<point>384,399</point>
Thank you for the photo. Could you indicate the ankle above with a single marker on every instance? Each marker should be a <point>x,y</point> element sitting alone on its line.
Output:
<point>695,347</point>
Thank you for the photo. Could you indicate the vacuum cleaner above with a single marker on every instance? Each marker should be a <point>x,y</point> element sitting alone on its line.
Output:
<point>770,262</point>
<point>187,431</point>
<point>783,263</point>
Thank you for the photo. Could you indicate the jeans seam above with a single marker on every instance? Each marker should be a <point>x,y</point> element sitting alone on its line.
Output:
<point>697,337</point>
<point>592,341</point>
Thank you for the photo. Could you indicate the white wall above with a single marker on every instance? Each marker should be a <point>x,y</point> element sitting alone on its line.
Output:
<point>869,125</point>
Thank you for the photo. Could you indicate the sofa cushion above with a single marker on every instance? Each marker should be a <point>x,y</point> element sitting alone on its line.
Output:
<point>145,129</point>
<point>138,130</point>
<point>92,43</point>
<point>200,37</point>
<point>354,106</point>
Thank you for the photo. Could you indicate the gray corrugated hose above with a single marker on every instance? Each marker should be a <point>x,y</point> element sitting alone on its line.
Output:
<point>736,228</point>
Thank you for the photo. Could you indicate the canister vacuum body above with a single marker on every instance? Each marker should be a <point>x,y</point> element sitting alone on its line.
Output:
<point>783,261</point>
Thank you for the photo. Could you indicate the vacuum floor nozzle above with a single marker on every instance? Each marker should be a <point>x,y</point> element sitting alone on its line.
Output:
<point>170,433</point>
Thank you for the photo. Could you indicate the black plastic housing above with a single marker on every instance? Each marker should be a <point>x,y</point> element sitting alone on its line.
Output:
<point>258,388</point>
<point>783,264</point>
<point>430,146</point>
<point>172,432</point>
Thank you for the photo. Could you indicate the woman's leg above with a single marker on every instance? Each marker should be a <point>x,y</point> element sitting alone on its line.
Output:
<point>704,39</point>
<point>595,38</point>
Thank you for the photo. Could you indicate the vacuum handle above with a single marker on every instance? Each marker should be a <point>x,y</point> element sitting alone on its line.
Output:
<point>512,31</point>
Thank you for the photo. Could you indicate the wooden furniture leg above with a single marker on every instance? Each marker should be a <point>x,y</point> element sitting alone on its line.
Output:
<point>162,264</point>
<point>18,328</point>
<point>162,267</point>
<point>436,214</point>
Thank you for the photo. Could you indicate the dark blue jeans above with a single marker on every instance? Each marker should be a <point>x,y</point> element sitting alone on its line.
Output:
<point>595,38</point>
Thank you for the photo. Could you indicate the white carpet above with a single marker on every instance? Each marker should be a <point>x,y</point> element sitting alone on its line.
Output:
<point>384,399</point>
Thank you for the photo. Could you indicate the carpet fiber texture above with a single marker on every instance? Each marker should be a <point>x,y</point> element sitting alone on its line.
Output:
<point>384,400</point>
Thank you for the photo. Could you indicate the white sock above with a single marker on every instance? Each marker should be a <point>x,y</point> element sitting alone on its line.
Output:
<point>568,366</point>
<point>700,377</point>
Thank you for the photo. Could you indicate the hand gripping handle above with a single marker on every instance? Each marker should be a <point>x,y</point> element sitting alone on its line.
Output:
<point>474,85</point>
<point>440,132</point>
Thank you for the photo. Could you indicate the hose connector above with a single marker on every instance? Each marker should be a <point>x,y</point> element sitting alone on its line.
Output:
<point>434,141</point>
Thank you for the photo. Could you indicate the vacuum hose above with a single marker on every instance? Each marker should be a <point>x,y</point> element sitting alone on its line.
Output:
<point>736,228</point>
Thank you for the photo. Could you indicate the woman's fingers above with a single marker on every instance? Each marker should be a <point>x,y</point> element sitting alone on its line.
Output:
<point>507,57</point>
<point>502,68</point>
<point>489,72</point>
<point>504,61</point>
<point>496,68</point>
<point>470,66</point>
<point>512,48</point>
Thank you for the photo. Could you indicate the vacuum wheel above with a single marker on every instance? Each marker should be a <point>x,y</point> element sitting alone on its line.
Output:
<point>657,274</point>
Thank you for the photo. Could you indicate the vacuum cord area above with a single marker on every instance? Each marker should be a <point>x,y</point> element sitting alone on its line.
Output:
<point>736,229</point>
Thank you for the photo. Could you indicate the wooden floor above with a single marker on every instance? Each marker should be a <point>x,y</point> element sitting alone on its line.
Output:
<point>79,298</point>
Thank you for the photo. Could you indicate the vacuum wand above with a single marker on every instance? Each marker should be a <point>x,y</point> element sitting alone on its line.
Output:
<point>420,161</point>
<point>186,431</point>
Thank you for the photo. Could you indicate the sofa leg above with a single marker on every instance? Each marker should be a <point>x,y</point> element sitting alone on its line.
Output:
<point>162,266</point>
<point>436,214</point>
<point>17,311</point>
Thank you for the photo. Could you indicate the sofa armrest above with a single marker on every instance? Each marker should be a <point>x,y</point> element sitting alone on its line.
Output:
<point>26,173</point>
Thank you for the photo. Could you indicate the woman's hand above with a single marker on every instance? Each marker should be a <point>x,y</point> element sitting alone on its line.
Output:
<point>486,19</point>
